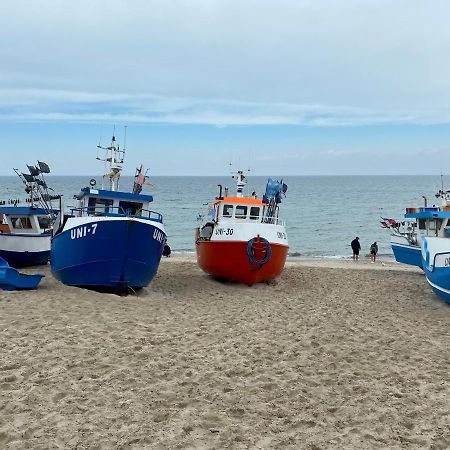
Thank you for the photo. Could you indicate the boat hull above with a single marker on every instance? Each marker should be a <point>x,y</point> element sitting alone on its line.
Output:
<point>436,265</point>
<point>405,252</point>
<point>24,250</point>
<point>115,254</point>
<point>11,279</point>
<point>229,260</point>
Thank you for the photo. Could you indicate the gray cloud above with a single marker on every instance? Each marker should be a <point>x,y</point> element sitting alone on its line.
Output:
<point>318,63</point>
<point>62,105</point>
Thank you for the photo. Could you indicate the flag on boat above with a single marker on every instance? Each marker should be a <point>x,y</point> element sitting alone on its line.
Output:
<point>28,178</point>
<point>43,167</point>
<point>139,180</point>
<point>34,171</point>
<point>41,183</point>
<point>389,223</point>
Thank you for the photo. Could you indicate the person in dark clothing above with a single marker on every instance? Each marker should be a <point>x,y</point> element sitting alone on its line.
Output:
<point>373,251</point>
<point>356,247</point>
<point>167,251</point>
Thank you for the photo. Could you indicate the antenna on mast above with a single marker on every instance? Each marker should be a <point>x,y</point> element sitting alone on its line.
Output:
<point>124,139</point>
<point>101,135</point>
<point>114,158</point>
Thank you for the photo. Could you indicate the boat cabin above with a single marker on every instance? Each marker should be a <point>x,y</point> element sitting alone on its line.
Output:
<point>246,209</point>
<point>431,221</point>
<point>25,220</point>
<point>99,202</point>
<point>241,208</point>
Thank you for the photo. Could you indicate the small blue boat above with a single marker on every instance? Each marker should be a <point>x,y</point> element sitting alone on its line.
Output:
<point>111,240</point>
<point>11,279</point>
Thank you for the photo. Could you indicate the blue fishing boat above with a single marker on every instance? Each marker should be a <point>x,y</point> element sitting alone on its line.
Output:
<point>405,241</point>
<point>407,235</point>
<point>11,279</point>
<point>25,226</point>
<point>434,231</point>
<point>111,240</point>
<point>436,264</point>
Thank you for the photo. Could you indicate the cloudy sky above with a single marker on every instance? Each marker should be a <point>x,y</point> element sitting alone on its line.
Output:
<point>283,86</point>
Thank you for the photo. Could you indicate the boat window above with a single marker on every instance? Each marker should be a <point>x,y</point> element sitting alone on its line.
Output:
<point>44,222</point>
<point>99,206</point>
<point>227,210</point>
<point>422,224</point>
<point>130,208</point>
<point>431,225</point>
<point>254,212</point>
<point>241,212</point>
<point>21,223</point>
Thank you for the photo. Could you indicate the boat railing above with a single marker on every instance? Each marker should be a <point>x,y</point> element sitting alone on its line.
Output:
<point>118,211</point>
<point>274,221</point>
<point>252,219</point>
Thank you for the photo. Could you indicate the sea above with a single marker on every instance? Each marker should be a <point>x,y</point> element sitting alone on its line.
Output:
<point>323,214</point>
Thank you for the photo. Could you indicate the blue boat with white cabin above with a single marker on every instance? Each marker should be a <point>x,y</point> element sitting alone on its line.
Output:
<point>434,231</point>
<point>111,240</point>
<point>25,226</point>
<point>407,235</point>
<point>406,238</point>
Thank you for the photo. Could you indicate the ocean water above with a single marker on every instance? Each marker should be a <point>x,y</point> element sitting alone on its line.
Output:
<point>322,213</point>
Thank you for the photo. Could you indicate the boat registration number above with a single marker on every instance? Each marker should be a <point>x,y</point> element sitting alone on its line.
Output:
<point>224,231</point>
<point>83,231</point>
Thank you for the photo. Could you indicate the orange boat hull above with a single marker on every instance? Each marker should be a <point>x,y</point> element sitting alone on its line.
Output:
<point>228,260</point>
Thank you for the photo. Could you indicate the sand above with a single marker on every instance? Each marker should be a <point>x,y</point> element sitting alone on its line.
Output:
<point>333,355</point>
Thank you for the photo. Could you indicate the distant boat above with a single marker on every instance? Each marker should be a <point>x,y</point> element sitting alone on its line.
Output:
<point>11,279</point>
<point>111,240</point>
<point>243,238</point>
<point>25,226</point>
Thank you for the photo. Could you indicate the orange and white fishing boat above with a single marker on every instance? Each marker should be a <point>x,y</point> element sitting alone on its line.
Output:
<point>243,238</point>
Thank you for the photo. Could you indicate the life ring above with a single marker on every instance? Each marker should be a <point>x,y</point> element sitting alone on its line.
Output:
<point>251,251</point>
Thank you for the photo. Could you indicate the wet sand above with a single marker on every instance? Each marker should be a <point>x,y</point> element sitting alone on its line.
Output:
<point>335,354</point>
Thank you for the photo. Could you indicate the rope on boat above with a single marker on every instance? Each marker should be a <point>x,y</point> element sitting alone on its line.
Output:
<point>252,245</point>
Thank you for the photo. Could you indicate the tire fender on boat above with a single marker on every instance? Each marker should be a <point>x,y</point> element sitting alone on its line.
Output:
<point>251,251</point>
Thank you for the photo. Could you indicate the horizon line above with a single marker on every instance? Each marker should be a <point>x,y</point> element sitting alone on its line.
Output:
<point>259,175</point>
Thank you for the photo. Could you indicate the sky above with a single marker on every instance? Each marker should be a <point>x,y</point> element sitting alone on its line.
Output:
<point>283,87</point>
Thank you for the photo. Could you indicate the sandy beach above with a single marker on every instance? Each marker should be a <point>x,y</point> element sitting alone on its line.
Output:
<point>334,354</point>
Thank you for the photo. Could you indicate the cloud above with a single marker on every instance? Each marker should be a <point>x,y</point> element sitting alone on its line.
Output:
<point>46,105</point>
<point>226,62</point>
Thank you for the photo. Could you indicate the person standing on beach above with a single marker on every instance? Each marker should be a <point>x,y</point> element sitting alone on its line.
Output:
<point>356,247</point>
<point>166,250</point>
<point>373,251</point>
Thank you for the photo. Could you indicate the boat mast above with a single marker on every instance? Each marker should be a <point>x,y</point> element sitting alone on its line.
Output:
<point>114,158</point>
<point>241,181</point>
<point>28,187</point>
